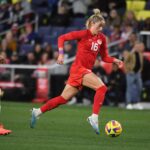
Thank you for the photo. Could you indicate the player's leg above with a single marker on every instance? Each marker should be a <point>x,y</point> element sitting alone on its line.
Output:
<point>67,94</point>
<point>92,81</point>
<point>3,131</point>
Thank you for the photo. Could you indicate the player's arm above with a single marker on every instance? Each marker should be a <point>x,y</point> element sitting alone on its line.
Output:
<point>105,56</point>
<point>74,35</point>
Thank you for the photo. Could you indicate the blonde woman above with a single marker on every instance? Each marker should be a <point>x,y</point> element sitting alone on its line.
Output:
<point>91,42</point>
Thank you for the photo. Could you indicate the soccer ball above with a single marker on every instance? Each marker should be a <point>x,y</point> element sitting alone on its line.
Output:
<point>113,128</point>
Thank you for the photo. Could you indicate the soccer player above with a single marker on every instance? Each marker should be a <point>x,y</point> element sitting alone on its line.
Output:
<point>2,130</point>
<point>91,42</point>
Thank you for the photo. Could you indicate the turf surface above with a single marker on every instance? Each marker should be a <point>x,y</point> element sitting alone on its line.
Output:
<point>66,128</point>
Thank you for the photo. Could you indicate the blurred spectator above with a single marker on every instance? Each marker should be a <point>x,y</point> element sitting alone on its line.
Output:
<point>9,43</point>
<point>26,6</point>
<point>113,19</point>
<point>61,17</point>
<point>52,4</point>
<point>55,56</point>
<point>146,24</point>
<point>30,59</point>
<point>131,41</point>
<point>48,49</point>
<point>14,58</point>
<point>43,8</point>
<point>38,52</point>
<point>128,29</point>
<point>4,13</point>
<point>29,36</point>
<point>17,13</point>
<point>130,18</point>
<point>115,34</point>
<point>4,72</point>
<point>120,6</point>
<point>7,60</point>
<point>133,66</point>
<point>44,59</point>
<point>27,73</point>
<point>107,5</point>
<point>102,5</point>
<point>68,50</point>
<point>80,7</point>
<point>116,86</point>
<point>15,30</point>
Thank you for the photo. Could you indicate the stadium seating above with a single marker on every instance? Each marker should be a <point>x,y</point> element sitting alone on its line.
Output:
<point>69,29</point>
<point>56,31</point>
<point>45,30</point>
<point>136,5</point>
<point>1,27</point>
<point>25,48</point>
<point>142,15</point>
<point>78,22</point>
<point>50,40</point>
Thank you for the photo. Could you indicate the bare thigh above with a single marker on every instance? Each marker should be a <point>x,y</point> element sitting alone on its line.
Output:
<point>69,91</point>
<point>92,81</point>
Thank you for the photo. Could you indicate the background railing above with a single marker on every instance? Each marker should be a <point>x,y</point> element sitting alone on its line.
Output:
<point>49,67</point>
<point>145,37</point>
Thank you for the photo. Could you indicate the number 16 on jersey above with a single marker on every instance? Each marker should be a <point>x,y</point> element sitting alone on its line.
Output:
<point>94,46</point>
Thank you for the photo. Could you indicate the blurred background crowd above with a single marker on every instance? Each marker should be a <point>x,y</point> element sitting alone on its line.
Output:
<point>28,35</point>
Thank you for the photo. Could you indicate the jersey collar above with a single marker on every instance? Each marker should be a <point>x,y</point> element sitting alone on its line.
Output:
<point>90,33</point>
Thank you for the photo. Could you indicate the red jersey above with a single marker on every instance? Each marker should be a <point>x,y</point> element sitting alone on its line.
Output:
<point>88,47</point>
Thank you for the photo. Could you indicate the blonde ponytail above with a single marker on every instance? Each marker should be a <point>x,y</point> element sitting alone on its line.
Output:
<point>97,11</point>
<point>97,16</point>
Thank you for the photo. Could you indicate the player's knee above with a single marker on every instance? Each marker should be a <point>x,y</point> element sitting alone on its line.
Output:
<point>102,89</point>
<point>65,96</point>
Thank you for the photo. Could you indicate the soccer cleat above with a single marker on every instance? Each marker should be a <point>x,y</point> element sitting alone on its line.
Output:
<point>33,118</point>
<point>4,131</point>
<point>94,124</point>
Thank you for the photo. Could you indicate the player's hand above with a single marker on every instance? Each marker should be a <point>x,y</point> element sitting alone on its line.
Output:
<point>2,59</point>
<point>60,59</point>
<point>119,63</point>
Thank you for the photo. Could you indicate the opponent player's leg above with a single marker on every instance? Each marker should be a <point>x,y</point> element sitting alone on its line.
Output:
<point>67,94</point>
<point>92,81</point>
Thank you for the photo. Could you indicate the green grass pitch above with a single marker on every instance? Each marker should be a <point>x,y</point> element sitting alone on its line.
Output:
<point>66,128</point>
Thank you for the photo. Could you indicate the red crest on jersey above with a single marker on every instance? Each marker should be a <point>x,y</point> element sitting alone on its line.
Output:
<point>99,41</point>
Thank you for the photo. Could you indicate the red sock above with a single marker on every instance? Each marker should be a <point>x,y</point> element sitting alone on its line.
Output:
<point>53,103</point>
<point>99,98</point>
